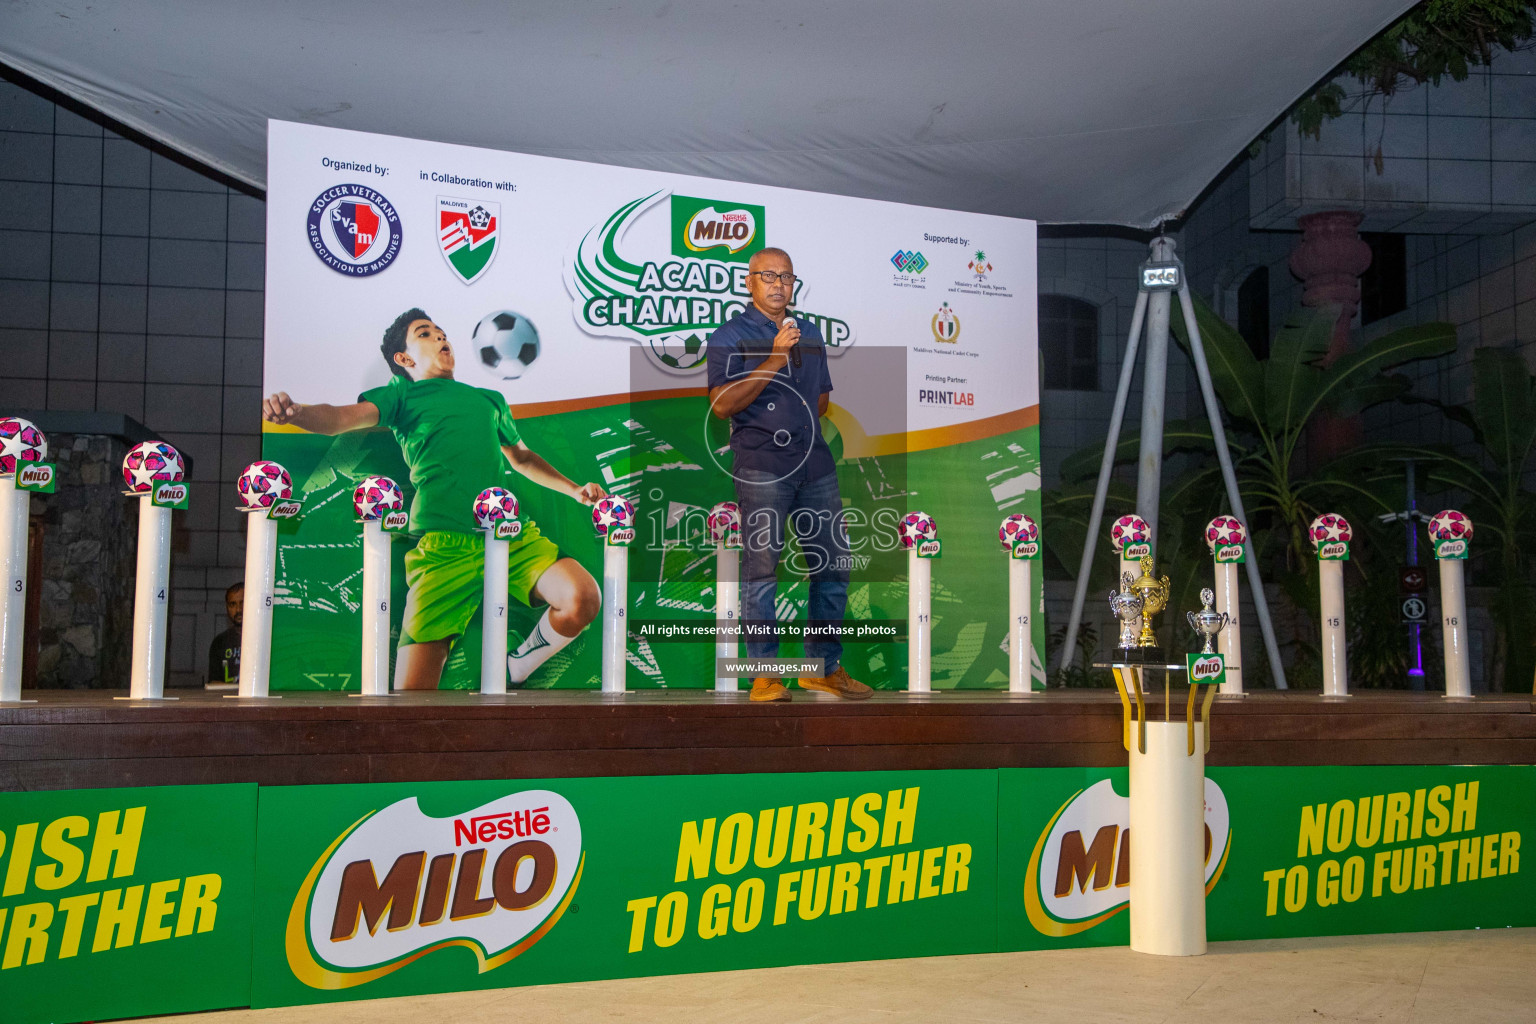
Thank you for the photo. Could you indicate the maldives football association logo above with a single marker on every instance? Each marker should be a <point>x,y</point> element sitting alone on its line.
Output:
<point>467,232</point>
<point>354,230</point>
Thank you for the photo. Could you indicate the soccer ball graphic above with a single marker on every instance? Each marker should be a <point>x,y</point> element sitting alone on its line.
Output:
<point>917,526</point>
<point>1130,529</point>
<point>507,341</point>
<point>376,496</point>
<point>1225,530</point>
<point>262,484</point>
<point>1330,527</point>
<point>20,441</point>
<point>1016,529</point>
<point>724,522</point>
<point>151,463</point>
<point>1450,525</point>
<point>612,514</point>
<point>676,352</point>
<point>479,218</point>
<point>494,503</point>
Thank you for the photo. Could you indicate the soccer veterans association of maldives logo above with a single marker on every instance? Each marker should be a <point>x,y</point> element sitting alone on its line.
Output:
<point>354,230</point>
<point>946,325</point>
<point>400,884</point>
<point>467,232</point>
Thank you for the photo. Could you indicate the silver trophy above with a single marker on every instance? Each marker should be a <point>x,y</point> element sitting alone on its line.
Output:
<point>1125,604</point>
<point>1208,622</point>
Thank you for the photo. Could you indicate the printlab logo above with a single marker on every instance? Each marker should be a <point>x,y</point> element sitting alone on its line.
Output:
<point>946,325</point>
<point>354,230</point>
<point>1080,871</point>
<point>909,262</point>
<point>467,232</point>
<point>979,266</point>
<point>731,232</point>
<point>400,884</point>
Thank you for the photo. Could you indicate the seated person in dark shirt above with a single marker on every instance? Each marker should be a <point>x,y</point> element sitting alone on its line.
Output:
<point>224,653</point>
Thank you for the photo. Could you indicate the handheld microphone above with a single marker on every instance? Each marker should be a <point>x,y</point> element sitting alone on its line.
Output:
<point>794,353</point>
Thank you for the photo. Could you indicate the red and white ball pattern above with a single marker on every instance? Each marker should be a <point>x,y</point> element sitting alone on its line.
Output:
<point>916,527</point>
<point>1224,530</point>
<point>20,441</point>
<point>150,463</point>
<point>262,484</point>
<point>1131,529</point>
<point>1450,525</point>
<point>492,504</point>
<point>612,513</point>
<point>1330,527</point>
<point>1016,529</point>
<point>724,522</point>
<point>375,497</point>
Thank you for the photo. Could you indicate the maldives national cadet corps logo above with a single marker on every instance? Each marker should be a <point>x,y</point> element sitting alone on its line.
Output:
<point>946,326</point>
<point>467,231</point>
<point>354,230</point>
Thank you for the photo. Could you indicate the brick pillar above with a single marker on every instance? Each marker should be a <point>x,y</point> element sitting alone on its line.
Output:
<point>1329,259</point>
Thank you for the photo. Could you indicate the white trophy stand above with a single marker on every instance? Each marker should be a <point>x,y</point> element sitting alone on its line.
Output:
<point>727,609</point>
<point>374,681</point>
<point>1229,642</point>
<point>260,591</point>
<point>1168,855</point>
<point>1022,546</point>
<point>1332,628</point>
<point>920,612</point>
<point>493,617</point>
<point>1451,553</point>
<point>15,506</point>
<point>147,677</point>
<point>615,613</point>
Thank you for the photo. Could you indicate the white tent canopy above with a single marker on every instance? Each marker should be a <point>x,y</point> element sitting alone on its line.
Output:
<point>1106,111</point>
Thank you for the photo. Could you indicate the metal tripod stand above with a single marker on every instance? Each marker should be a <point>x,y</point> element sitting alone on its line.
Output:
<point>1160,277</point>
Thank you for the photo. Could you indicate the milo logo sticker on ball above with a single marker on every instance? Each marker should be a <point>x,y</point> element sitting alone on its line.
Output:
<point>1206,669</point>
<point>1333,551</point>
<point>1136,552</point>
<point>1230,553</point>
<point>1455,547</point>
<point>36,476</point>
<point>170,496</point>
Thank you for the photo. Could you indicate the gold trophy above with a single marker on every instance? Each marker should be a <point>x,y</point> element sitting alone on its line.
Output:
<point>1154,598</point>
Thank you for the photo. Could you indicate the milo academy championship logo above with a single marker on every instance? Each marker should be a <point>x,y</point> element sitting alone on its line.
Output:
<point>670,299</point>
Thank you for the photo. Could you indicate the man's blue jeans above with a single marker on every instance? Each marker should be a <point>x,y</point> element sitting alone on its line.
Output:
<point>813,509</point>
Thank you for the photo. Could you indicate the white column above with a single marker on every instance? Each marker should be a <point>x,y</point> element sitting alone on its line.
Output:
<point>1453,619</point>
<point>260,591</point>
<point>615,615</point>
<point>376,569</point>
<point>493,616</point>
<point>727,609</point>
<point>1335,666</point>
<point>1229,642</point>
<point>150,598</point>
<point>1168,842</point>
<point>919,623</point>
<point>1021,641</point>
<point>14,506</point>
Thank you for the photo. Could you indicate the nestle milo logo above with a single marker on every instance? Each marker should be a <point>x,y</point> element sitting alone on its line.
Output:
<point>395,522</point>
<point>1454,548</point>
<point>289,508</point>
<point>1333,551</point>
<point>1135,552</point>
<point>620,538</point>
<point>929,548</point>
<point>1027,549</point>
<point>170,496</point>
<point>35,476</point>
<point>506,529</point>
<point>731,232</point>
<point>1209,668</point>
<point>1229,553</point>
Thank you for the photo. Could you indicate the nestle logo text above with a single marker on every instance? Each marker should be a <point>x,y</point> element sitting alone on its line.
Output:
<point>506,825</point>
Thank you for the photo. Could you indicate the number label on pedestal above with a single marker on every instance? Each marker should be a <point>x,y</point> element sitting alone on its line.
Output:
<point>36,476</point>
<point>160,596</point>
<point>395,522</point>
<point>929,548</point>
<point>507,529</point>
<point>169,496</point>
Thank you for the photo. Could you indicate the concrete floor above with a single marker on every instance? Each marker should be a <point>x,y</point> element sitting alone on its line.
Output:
<point>1456,977</point>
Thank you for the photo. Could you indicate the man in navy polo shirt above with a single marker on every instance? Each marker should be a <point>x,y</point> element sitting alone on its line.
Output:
<point>768,375</point>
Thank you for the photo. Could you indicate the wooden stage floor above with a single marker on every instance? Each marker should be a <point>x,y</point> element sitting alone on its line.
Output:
<point>82,739</point>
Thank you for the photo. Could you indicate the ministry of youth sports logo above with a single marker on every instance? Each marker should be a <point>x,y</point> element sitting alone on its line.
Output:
<point>354,230</point>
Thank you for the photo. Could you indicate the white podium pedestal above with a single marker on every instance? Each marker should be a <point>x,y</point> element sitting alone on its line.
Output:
<point>1229,642</point>
<point>919,623</point>
<point>493,617</point>
<point>1333,629</point>
<point>1453,622</point>
<point>260,592</point>
<point>727,609</point>
<point>151,587</point>
<point>615,615</point>
<point>14,507</point>
<point>1021,641</point>
<point>376,571</point>
<point>1168,841</point>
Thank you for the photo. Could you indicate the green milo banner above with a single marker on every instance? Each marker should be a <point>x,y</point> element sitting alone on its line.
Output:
<point>578,300</point>
<point>140,901</point>
<point>388,890</point>
<point>125,902</point>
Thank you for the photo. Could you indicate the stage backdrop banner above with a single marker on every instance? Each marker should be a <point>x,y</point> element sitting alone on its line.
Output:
<point>1290,851</point>
<point>388,890</point>
<point>581,296</point>
<point>125,902</point>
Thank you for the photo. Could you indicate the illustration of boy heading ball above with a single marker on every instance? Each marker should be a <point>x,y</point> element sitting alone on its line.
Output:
<point>456,439</point>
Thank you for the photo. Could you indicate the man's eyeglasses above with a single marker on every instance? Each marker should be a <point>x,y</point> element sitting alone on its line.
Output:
<point>770,277</point>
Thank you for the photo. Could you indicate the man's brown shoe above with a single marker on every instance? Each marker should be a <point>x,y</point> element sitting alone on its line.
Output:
<point>839,684</point>
<point>764,688</point>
